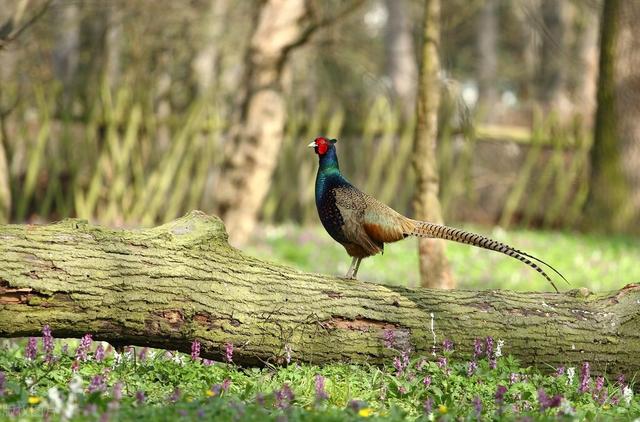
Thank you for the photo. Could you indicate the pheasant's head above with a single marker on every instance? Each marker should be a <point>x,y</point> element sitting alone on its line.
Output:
<point>322,145</point>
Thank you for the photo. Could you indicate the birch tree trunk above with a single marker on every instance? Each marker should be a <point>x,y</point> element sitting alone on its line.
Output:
<point>252,153</point>
<point>166,286</point>
<point>434,267</point>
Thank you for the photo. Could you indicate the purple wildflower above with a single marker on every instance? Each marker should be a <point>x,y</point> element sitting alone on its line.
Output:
<point>356,405</point>
<point>284,397</point>
<point>427,381</point>
<point>140,397</point>
<point>260,399</point>
<point>421,364</point>
<point>472,367</point>
<point>428,406</point>
<point>560,371</point>
<point>175,396</point>
<point>83,348</point>
<point>226,384</point>
<point>228,352</point>
<point>195,350</point>
<point>490,353</point>
<point>3,379</point>
<point>31,349</point>
<point>477,405</point>
<point>47,343</point>
<point>75,365</point>
<point>90,409</point>
<point>207,362</point>
<point>142,356</point>
<point>500,392</point>
<point>321,394</point>
<point>514,377</point>
<point>97,384</point>
<point>477,348</point>
<point>401,362</point>
<point>547,402</point>
<point>402,390</point>
<point>65,349</point>
<point>599,383</point>
<point>585,377</point>
<point>99,354</point>
<point>389,339</point>
<point>447,345</point>
<point>620,379</point>
<point>117,391</point>
<point>442,362</point>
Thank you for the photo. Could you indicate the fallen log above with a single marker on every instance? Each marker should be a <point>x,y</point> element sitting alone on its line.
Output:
<point>166,286</point>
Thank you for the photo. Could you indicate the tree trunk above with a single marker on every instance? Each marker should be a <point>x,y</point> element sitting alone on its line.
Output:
<point>434,267</point>
<point>166,286</point>
<point>627,101</point>
<point>401,66</point>
<point>251,155</point>
<point>608,193</point>
<point>5,187</point>
<point>488,61</point>
<point>206,62</point>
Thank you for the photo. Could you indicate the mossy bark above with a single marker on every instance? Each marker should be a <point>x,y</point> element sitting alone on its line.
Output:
<point>434,267</point>
<point>166,286</point>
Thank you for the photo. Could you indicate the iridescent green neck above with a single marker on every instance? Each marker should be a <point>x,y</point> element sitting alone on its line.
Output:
<point>329,162</point>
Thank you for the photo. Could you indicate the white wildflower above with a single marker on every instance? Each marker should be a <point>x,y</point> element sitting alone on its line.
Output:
<point>498,352</point>
<point>70,408</point>
<point>117,359</point>
<point>571,372</point>
<point>151,354</point>
<point>55,401</point>
<point>627,394</point>
<point>178,358</point>
<point>287,351</point>
<point>75,386</point>
<point>565,408</point>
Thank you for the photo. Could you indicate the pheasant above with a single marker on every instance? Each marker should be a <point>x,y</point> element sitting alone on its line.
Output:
<point>362,224</point>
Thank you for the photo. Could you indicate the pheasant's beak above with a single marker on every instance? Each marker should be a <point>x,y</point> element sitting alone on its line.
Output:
<point>312,144</point>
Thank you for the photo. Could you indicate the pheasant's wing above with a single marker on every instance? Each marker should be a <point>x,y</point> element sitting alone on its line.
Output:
<point>353,208</point>
<point>383,224</point>
<point>370,217</point>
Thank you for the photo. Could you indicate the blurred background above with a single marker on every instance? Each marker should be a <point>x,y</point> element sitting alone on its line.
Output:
<point>131,113</point>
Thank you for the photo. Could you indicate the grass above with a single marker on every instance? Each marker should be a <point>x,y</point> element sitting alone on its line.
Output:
<point>597,262</point>
<point>147,384</point>
<point>143,384</point>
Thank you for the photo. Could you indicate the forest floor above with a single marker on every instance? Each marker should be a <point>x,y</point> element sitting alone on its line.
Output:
<point>86,380</point>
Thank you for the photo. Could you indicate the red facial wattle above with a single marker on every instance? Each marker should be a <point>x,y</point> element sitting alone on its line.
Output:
<point>322,146</point>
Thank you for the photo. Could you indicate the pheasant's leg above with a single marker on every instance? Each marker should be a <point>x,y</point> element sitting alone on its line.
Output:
<point>355,270</point>
<point>351,267</point>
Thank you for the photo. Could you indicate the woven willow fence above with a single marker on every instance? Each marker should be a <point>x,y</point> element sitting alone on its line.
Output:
<point>124,165</point>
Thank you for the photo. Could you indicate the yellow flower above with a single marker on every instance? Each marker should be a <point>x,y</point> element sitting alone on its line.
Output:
<point>442,409</point>
<point>211,393</point>
<point>33,400</point>
<point>365,412</point>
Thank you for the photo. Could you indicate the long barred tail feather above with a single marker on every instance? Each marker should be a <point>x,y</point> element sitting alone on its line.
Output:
<point>425,229</point>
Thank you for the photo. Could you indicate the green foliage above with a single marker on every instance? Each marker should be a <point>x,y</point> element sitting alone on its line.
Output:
<point>597,262</point>
<point>170,386</point>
